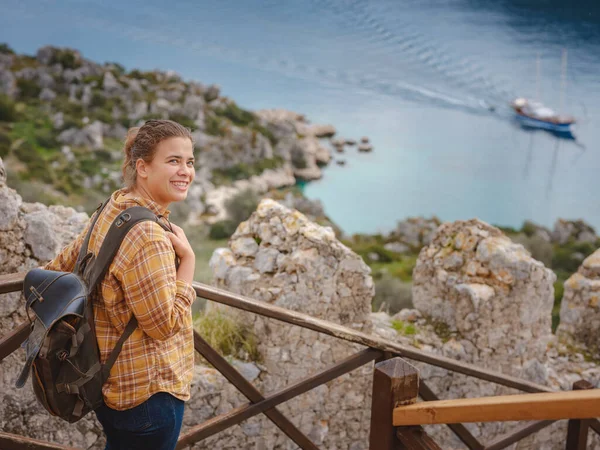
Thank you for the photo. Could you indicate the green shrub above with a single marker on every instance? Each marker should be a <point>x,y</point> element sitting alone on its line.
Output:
<point>392,295</point>
<point>183,120</point>
<point>529,228</point>
<point>265,132</point>
<point>37,165</point>
<point>568,257</point>
<point>8,112</point>
<point>237,115</point>
<point>5,49</point>
<point>539,248</point>
<point>403,328</point>
<point>66,58</point>
<point>243,171</point>
<point>28,89</point>
<point>215,126</point>
<point>241,205</point>
<point>5,143</point>
<point>227,336</point>
<point>298,158</point>
<point>98,100</point>
<point>222,229</point>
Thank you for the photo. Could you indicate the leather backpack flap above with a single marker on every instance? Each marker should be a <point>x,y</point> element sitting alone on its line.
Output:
<point>53,295</point>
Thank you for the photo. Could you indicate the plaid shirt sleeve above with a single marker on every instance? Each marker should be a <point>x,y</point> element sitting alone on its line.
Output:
<point>158,300</point>
<point>66,259</point>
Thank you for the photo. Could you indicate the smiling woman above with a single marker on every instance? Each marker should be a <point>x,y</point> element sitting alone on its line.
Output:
<point>150,380</point>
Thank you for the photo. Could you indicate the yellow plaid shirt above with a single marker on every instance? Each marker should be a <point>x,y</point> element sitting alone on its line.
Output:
<point>141,280</point>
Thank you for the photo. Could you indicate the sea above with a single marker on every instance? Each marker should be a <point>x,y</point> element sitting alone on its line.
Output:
<point>427,81</point>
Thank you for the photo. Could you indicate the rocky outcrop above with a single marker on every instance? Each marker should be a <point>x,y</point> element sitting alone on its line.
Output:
<point>576,230</point>
<point>580,307</point>
<point>30,234</point>
<point>488,289</point>
<point>280,257</point>
<point>216,198</point>
<point>415,231</point>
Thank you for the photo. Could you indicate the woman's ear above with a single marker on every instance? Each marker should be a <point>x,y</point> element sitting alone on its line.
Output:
<point>141,168</point>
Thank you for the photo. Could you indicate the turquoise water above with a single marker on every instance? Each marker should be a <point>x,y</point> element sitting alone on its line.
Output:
<point>417,77</point>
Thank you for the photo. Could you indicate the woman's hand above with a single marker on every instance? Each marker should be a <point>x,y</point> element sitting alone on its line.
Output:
<point>181,245</point>
<point>185,253</point>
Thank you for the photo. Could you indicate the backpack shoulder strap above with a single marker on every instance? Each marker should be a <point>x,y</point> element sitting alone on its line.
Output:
<point>113,239</point>
<point>110,246</point>
<point>84,246</point>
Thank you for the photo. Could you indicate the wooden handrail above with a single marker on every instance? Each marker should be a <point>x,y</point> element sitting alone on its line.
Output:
<point>333,329</point>
<point>542,406</point>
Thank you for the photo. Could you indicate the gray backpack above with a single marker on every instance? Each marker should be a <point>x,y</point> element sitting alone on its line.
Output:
<point>62,351</point>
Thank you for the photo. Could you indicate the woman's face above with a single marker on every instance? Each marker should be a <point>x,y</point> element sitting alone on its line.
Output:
<point>168,177</point>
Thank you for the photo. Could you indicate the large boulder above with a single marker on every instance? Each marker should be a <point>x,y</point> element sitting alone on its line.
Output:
<point>580,306</point>
<point>490,290</point>
<point>281,258</point>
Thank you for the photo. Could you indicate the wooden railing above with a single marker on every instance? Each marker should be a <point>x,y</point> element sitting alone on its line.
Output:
<point>395,382</point>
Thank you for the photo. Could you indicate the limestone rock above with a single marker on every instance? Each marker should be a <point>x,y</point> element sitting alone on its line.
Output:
<point>90,136</point>
<point>479,283</point>
<point>416,231</point>
<point>301,266</point>
<point>580,307</point>
<point>578,230</point>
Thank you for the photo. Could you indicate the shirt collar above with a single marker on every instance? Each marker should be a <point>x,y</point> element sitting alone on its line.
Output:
<point>128,199</point>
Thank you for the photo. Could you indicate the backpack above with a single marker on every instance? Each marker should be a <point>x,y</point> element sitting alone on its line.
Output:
<point>62,351</point>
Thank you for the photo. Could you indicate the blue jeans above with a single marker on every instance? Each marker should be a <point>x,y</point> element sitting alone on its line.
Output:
<point>155,424</point>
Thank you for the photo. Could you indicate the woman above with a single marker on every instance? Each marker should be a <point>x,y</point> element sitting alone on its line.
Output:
<point>150,379</point>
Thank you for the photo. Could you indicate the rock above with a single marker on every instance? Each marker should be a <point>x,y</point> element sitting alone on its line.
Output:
<point>365,147</point>
<point>89,136</point>
<point>313,273</point>
<point>578,230</point>
<point>508,311</point>
<point>110,84</point>
<point>314,130</point>
<point>580,306</point>
<point>47,95</point>
<point>10,203</point>
<point>2,174</point>
<point>364,140</point>
<point>396,247</point>
<point>138,110</point>
<point>161,106</point>
<point>416,231</point>
<point>8,83</point>
<point>248,370</point>
<point>212,92</point>
<point>58,120</point>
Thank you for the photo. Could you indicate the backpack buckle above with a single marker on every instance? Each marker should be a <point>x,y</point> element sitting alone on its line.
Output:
<point>36,294</point>
<point>124,218</point>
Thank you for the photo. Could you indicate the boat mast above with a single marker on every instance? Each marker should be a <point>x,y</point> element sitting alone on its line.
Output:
<point>538,93</point>
<point>563,78</point>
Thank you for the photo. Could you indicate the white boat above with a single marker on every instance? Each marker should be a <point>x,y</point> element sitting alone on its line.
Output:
<point>536,115</point>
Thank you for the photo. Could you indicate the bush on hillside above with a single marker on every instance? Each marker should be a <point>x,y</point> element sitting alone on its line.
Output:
<point>241,205</point>
<point>392,295</point>
<point>5,143</point>
<point>222,230</point>
<point>5,49</point>
<point>8,112</point>
<point>28,89</point>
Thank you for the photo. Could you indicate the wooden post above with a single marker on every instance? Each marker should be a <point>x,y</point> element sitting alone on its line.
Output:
<point>395,382</point>
<point>577,432</point>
